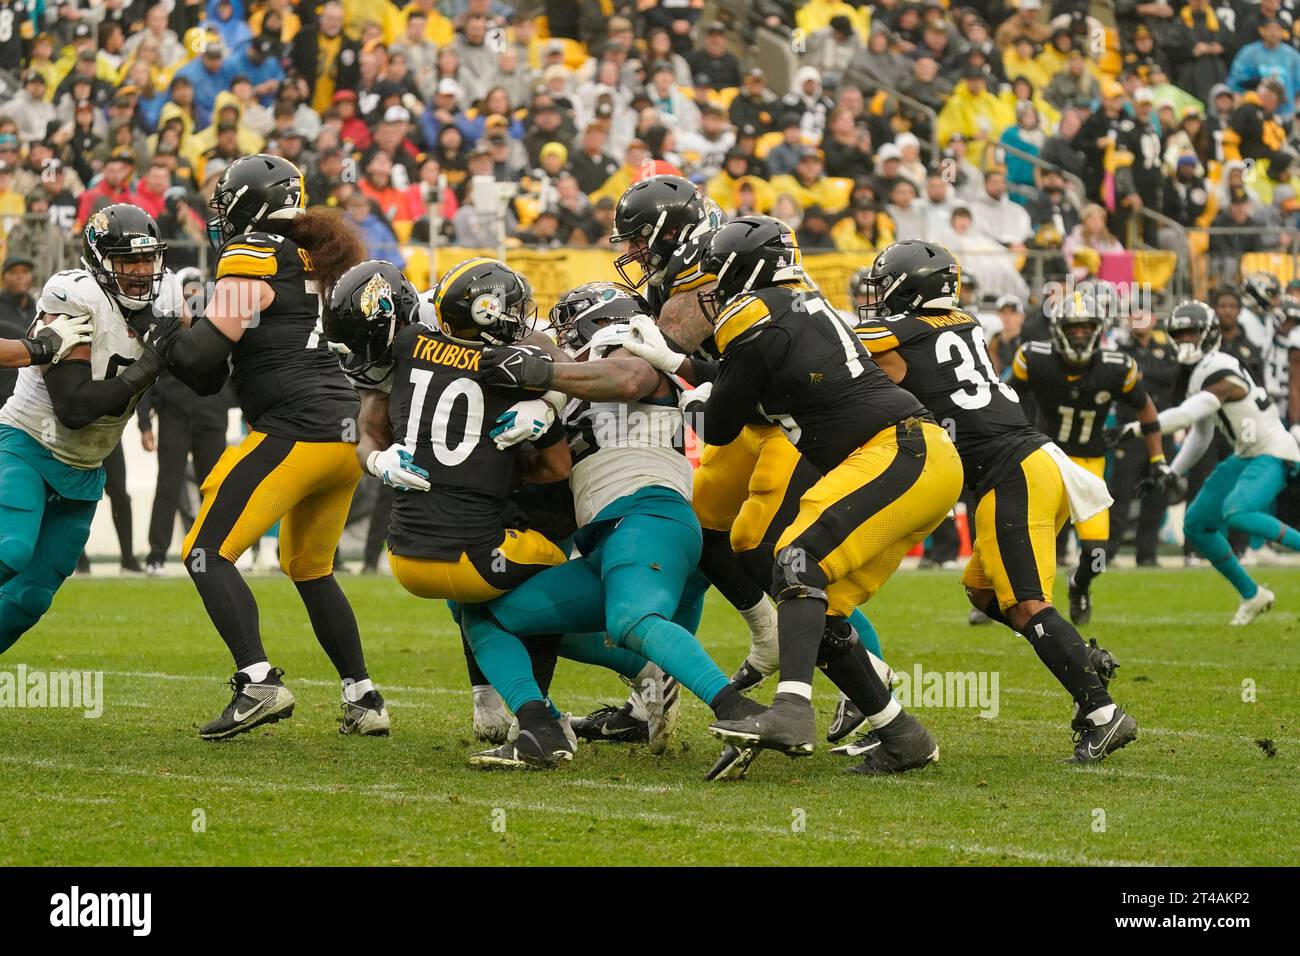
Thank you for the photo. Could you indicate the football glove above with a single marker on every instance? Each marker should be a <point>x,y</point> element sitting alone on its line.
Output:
<point>60,337</point>
<point>692,400</point>
<point>522,421</point>
<point>1157,479</point>
<point>162,334</point>
<point>516,366</point>
<point>646,341</point>
<point>1113,436</point>
<point>396,468</point>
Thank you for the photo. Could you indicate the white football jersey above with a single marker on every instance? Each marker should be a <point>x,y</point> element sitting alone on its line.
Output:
<point>621,447</point>
<point>1277,366</point>
<point>1252,424</point>
<point>112,346</point>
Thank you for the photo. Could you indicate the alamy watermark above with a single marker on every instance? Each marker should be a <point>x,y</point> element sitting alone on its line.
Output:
<point>960,689</point>
<point>73,690</point>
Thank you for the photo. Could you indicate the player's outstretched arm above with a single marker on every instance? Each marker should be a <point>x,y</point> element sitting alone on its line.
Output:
<point>200,357</point>
<point>58,336</point>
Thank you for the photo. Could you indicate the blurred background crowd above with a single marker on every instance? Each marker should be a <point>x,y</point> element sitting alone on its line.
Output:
<point>1150,144</point>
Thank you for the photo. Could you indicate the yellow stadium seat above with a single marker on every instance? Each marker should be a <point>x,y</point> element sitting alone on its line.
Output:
<point>1154,267</point>
<point>1284,267</point>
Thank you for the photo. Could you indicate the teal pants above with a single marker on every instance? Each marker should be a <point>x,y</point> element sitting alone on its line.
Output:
<point>1237,497</point>
<point>639,585</point>
<point>41,536</point>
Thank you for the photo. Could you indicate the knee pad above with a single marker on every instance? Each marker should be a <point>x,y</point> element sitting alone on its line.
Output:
<point>796,575</point>
<point>15,553</point>
<point>837,639</point>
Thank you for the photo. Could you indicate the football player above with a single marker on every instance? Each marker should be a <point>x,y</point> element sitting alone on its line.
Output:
<point>1075,383</point>
<point>297,465</point>
<point>427,429</point>
<point>1025,486</point>
<point>107,330</point>
<point>1239,492</point>
<point>888,477</point>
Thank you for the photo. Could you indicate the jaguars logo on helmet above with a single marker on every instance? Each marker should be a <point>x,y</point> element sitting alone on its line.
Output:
<point>369,304</point>
<point>485,300</point>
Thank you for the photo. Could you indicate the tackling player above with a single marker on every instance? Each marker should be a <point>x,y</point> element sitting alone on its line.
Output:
<point>1025,486</point>
<point>1075,383</point>
<point>108,328</point>
<point>425,420</point>
<point>297,464</point>
<point>1239,492</point>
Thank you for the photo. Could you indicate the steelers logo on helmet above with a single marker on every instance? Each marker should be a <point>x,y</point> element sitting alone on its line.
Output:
<point>487,308</point>
<point>484,299</point>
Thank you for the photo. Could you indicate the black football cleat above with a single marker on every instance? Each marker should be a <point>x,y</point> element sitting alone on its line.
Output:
<point>747,677</point>
<point>542,746</point>
<point>612,725</point>
<point>733,763</point>
<point>848,719</point>
<point>367,717</point>
<point>1103,662</point>
<point>1080,605</point>
<point>859,745</point>
<point>905,745</point>
<point>1093,743</point>
<point>251,705</point>
<point>789,725</point>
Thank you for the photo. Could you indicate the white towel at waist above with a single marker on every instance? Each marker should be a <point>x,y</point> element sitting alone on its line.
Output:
<point>1088,494</point>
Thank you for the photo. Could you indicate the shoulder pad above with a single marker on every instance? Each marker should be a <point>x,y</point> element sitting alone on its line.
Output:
<point>252,255</point>
<point>738,318</point>
<point>71,292</point>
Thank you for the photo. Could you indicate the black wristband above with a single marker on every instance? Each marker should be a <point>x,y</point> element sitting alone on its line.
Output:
<point>41,350</point>
<point>1151,428</point>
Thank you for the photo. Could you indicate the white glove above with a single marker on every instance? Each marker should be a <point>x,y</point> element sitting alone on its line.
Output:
<point>72,330</point>
<point>396,468</point>
<point>646,341</point>
<point>522,421</point>
<point>691,400</point>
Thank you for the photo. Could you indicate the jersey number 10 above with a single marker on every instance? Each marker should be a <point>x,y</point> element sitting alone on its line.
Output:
<point>438,438</point>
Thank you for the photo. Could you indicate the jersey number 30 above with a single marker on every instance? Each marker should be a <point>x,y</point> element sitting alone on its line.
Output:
<point>443,450</point>
<point>974,370</point>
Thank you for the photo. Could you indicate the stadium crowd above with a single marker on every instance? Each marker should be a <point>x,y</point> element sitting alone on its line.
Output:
<point>1008,131</point>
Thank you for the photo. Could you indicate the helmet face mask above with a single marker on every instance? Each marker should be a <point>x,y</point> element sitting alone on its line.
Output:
<point>1194,329</point>
<point>582,311</point>
<point>1077,338</point>
<point>123,249</point>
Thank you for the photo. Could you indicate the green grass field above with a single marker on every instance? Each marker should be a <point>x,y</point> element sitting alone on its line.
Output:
<point>1196,788</point>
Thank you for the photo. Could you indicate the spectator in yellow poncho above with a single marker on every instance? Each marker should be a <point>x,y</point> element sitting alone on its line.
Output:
<point>1019,60</point>
<point>975,113</point>
<point>816,15</point>
<point>226,109</point>
<point>865,229</point>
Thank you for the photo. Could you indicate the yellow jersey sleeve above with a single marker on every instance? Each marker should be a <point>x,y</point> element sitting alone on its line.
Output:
<point>876,338</point>
<point>739,317</point>
<point>1020,365</point>
<point>248,257</point>
<point>1131,375</point>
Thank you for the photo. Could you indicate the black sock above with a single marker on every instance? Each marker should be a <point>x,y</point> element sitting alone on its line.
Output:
<point>533,713</point>
<point>994,613</point>
<point>1092,562</point>
<point>725,702</point>
<point>1059,646</point>
<point>476,676</point>
<point>544,651</point>
<point>229,604</point>
<point>848,665</point>
<point>800,622</point>
<point>335,624</point>
<point>724,571</point>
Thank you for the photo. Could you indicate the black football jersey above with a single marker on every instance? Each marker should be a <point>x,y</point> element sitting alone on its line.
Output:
<point>787,354</point>
<point>1073,403</point>
<point>949,369</point>
<point>1158,363</point>
<point>288,381</point>
<point>442,415</point>
<point>15,20</point>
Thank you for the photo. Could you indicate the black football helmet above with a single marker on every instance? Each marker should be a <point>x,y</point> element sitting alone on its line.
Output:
<point>752,252</point>
<point>583,310</point>
<point>654,216</point>
<point>484,300</point>
<point>1195,331</point>
<point>370,303</point>
<point>911,275</point>
<point>252,193</point>
<point>117,236</point>
<point>1077,324</point>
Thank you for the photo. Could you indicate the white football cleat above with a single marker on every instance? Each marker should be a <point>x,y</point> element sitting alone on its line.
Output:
<point>1252,608</point>
<point>660,696</point>
<point>492,718</point>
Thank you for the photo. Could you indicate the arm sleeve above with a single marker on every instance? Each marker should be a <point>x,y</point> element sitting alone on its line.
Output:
<point>702,370</point>
<point>1133,393</point>
<point>78,399</point>
<point>1197,441</point>
<point>200,357</point>
<point>742,377</point>
<point>1195,409</point>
